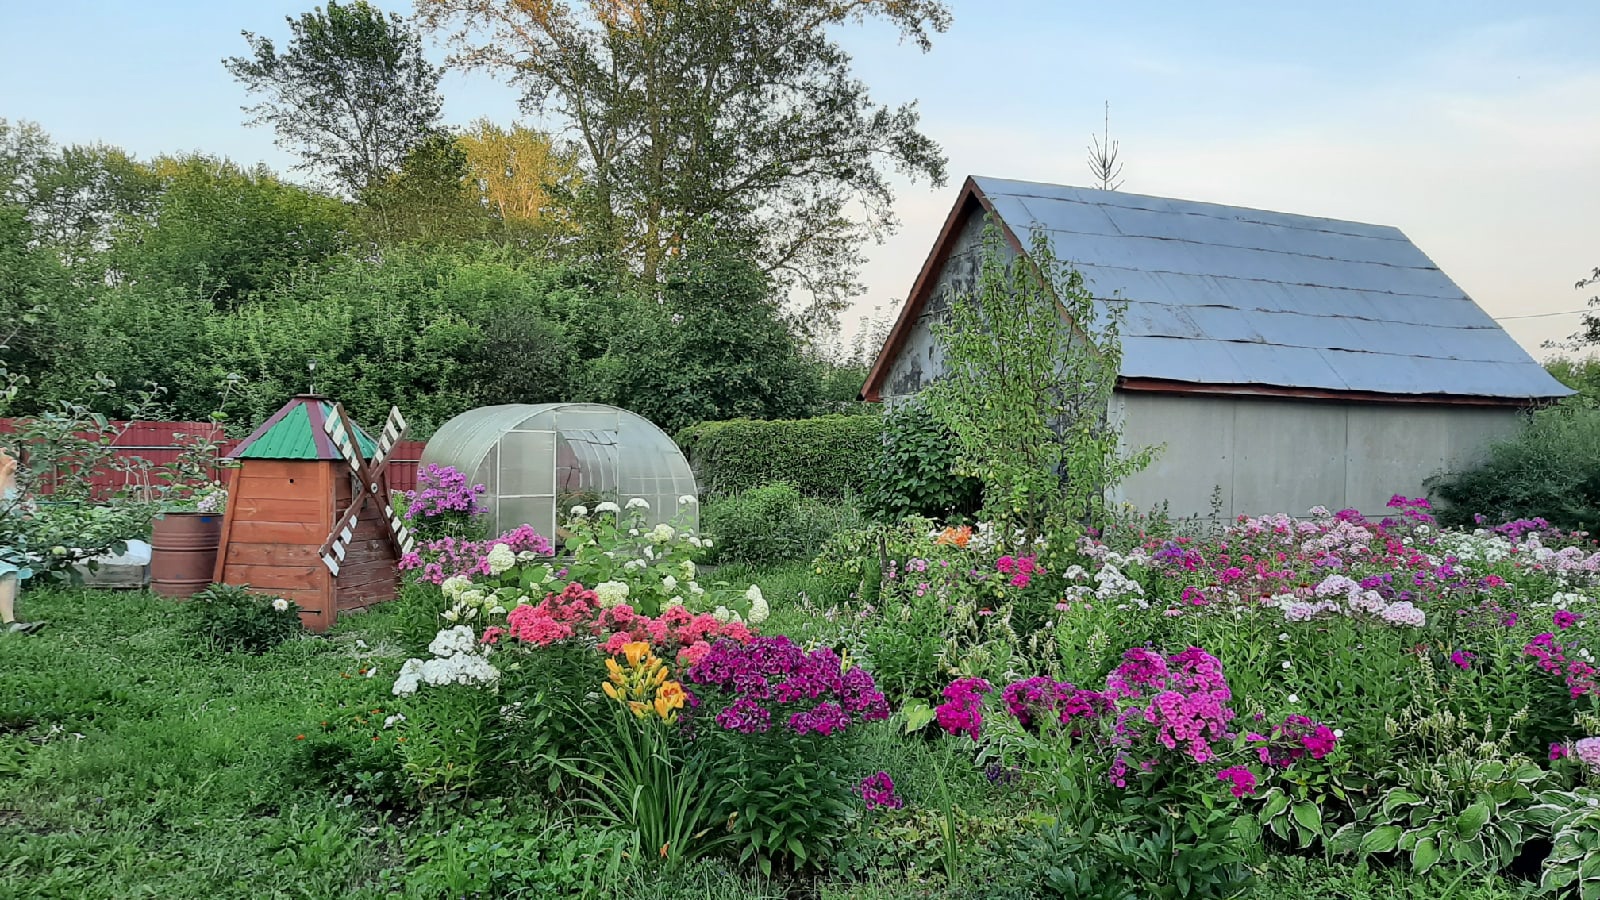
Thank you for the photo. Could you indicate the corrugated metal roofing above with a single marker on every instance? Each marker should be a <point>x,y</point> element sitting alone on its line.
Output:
<point>1227,295</point>
<point>295,432</point>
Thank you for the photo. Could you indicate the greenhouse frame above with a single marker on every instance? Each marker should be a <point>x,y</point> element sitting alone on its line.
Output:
<point>532,458</point>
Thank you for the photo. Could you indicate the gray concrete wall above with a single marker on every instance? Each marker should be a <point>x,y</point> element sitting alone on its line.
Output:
<point>1281,455</point>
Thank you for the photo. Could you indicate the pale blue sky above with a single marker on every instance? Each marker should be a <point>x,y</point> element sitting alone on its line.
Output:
<point>1474,127</point>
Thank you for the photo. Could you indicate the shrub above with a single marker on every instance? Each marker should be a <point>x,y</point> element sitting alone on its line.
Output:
<point>773,523</point>
<point>1550,470</point>
<point>913,472</point>
<point>230,619</point>
<point>828,456</point>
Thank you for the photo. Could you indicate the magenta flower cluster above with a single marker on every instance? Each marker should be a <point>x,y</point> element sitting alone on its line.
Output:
<point>1241,781</point>
<point>438,560</point>
<point>962,709</point>
<point>1019,569</point>
<point>1296,737</point>
<point>772,675</point>
<point>1551,656</point>
<point>1036,700</point>
<point>877,790</point>
<point>442,491</point>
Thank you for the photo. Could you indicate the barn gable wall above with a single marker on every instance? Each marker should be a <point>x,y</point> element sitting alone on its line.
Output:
<point>1282,455</point>
<point>920,359</point>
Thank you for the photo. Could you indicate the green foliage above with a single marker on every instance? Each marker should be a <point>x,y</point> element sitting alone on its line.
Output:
<point>773,524</point>
<point>827,456</point>
<point>789,150</point>
<point>1031,361</point>
<point>224,232</point>
<point>492,852</point>
<point>1572,819</point>
<point>710,343</point>
<point>913,473</point>
<point>352,92</point>
<point>1549,469</point>
<point>235,619</point>
<point>1582,375</point>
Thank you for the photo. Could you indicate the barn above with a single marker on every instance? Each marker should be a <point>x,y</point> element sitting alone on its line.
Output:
<point>1284,361</point>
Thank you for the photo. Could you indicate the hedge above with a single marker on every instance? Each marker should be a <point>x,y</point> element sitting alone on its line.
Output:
<point>828,456</point>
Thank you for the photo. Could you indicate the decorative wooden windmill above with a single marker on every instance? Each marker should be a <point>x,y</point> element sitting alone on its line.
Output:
<point>309,517</point>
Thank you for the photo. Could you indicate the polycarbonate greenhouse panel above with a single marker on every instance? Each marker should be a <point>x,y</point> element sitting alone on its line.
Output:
<point>529,457</point>
<point>1226,295</point>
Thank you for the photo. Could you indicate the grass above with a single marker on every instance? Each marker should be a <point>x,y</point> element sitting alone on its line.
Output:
<point>135,763</point>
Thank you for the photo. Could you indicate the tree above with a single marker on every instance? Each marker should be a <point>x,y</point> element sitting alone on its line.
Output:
<point>523,177</point>
<point>429,200</point>
<point>713,345</point>
<point>1591,319</point>
<point>742,116</point>
<point>1104,168</point>
<point>351,94</point>
<point>1031,360</point>
<point>225,232</point>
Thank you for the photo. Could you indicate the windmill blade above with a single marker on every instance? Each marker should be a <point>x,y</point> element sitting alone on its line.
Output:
<point>394,430</point>
<point>333,549</point>
<point>342,433</point>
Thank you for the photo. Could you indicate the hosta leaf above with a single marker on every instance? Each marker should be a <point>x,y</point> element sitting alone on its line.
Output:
<point>1557,877</point>
<point>1307,814</point>
<point>1277,803</point>
<point>1381,839</point>
<point>1425,855</point>
<point>1346,839</point>
<point>1565,849</point>
<point>1590,867</point>
<point>1397,798</point>
<point>1472,820</point>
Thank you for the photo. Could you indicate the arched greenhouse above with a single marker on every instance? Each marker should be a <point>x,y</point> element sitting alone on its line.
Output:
<point>533,459</point>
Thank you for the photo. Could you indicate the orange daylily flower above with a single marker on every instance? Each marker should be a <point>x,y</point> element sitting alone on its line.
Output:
<point>636,652</point>
<point>955,536</point>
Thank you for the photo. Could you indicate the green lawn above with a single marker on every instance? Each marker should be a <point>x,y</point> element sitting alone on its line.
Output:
<point>134,763</point>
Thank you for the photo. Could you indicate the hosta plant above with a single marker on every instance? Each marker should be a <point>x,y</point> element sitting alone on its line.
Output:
<point>1461,811</point>
<point>1572,819</point>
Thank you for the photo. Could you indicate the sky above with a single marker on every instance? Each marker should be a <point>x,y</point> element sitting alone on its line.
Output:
<point>1471,126</point>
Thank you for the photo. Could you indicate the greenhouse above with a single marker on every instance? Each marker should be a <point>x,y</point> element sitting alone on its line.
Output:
<point>536,460</point>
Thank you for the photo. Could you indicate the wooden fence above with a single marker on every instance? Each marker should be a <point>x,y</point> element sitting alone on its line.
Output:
<point>161,443</point>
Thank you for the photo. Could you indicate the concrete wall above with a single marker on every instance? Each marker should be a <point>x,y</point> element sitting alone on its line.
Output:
<point>1274,455</point>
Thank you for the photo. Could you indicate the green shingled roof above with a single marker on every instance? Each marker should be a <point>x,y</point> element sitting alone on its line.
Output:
<point>295,432</point>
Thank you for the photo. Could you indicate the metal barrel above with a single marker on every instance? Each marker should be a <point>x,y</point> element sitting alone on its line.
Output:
<point>183,552</point>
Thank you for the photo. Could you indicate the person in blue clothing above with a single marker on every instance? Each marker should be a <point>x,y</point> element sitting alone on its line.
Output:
<point>12,569</point>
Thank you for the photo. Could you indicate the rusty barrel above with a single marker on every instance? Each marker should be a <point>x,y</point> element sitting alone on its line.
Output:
<point>183,552</point>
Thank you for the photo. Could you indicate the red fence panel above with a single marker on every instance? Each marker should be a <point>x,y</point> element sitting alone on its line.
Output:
<point>162,443</point>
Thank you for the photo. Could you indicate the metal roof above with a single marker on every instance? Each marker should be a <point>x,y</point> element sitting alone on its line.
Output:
<point>1228,295</point>
<point>295,432</point>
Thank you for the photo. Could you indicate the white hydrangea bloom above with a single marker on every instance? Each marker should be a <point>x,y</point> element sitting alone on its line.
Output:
<point>687,500</point>
<point>527,556</point>
<point>607,507</point>
<point>723,615</point>
<point>696,589</point>
<point>473,597</point>
<point>611,593</point>
<point>501,559</point>
<point>281,605</point>
<point>410,676</point>
<point>634,565</point>
<point>707,542</point>
<point>688,570</point>
<point>453,641</point>
<point>579,512</point>
<point>638,503</point>
<point>663,533</point>
<point>695,542</point>
<point>758,605</point>
<point>669,584</point>
<point>454,585</point>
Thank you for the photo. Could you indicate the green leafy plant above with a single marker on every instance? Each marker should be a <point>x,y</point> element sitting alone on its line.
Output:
<point>236,619</point>
<point>773,523</point>
<point>913,472</point>
<point>1031,359</point>
<point>1572,821</point>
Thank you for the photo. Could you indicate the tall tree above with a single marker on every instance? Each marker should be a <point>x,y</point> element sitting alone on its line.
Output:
<point>351,93</point>
<point>740,114</point>
<point>1590,335</point>
<point>524,178</point>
